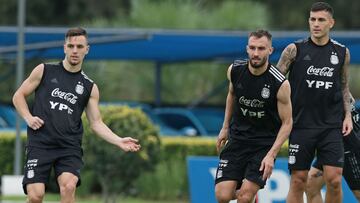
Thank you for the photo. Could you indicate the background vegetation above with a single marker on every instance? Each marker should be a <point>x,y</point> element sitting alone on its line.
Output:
<point>170,170</point>
<point>182,82</point>
<point>135,80</point>
<point>114,169</point>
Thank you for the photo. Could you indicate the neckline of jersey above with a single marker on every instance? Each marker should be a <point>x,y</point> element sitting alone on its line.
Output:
<point>267,69</point>
<point>69,72</point>
<point>312,42</point>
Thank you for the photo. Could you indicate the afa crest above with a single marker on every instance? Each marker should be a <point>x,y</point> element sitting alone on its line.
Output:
<point>334,58</point>
<point>79,88</point>
<point>265,92</point>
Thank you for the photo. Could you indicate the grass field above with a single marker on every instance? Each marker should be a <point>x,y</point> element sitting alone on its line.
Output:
<point>52,198</point>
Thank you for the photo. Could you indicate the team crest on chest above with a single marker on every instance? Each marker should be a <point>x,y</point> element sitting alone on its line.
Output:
<point>334,58</point>
<point>265,92</point>
<point>79,88</point>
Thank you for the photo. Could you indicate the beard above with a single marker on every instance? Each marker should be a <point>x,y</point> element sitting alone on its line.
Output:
<point>72,62</point>
<point>258,64</point>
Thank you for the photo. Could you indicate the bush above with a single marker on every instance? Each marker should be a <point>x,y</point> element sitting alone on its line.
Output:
<point>115,169</point>
<point>7,143</point>
<point>168,181</point>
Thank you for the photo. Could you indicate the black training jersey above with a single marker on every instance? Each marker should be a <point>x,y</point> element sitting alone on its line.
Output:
<point>352,141</point>
<point>255,118</point>
<point>315,79</point>
<point>355,119</point>
<point>60,100</point>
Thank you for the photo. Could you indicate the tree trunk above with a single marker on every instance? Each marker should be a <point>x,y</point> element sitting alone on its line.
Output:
<point>105,190</point>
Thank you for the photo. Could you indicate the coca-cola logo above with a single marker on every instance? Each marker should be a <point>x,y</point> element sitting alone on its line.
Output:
<point>251,102</point>
<point>325,71</point>
<point>70,97</point>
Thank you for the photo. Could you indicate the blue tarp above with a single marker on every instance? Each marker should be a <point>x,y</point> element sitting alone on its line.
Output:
<point>157,45</point>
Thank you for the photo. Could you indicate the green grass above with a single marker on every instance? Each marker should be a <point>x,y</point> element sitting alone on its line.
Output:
<point>93,199</point>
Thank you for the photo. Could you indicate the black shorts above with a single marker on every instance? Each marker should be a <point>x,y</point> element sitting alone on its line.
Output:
<point>240,161</point>
<point>352,142</point>
<point>351,171</point>
<point>39,162</point>
<point>328,144</point>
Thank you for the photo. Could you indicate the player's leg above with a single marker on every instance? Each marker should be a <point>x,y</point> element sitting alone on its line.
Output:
<point>356,194</point>
<point>332,178</point>
<point>67,184</point>
<point>67,171</point>
<point>247,192</point>
<point>253,181</point>
<point>331,156</point>
<point>297,186</point>
<point>301,153</point>
<point>36,173</point>
<point>314,183</point>
<point>230,171</point>
<point>225,191</point>
<point>35,192</point>
<point>255,199</point>
<point>351,171</point>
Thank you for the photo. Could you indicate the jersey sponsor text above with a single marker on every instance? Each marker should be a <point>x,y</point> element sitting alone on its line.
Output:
<point>319,84</point>
<point>68,96</point>
<point>60,107</point>
<point>324,71</point>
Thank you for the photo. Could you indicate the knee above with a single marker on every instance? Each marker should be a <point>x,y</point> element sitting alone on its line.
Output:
<point>311,191</point>
<point>312,188</point>
<point>246,198</point>
<point>334,182</point>
<point>67,188</point>
<point>224,196</point>
<point>35,197</point>
<point>309,187</point>
<point>299,181</point>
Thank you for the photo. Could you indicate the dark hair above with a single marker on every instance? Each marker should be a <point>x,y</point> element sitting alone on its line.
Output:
<point>322,6</point>
<point>261,33</point>
<point>77,31</point>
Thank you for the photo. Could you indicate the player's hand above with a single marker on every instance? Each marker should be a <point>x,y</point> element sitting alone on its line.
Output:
<point>347,126</point>
<point>222,138</point>
<point>267,165</point>
<point>129,144</point>
<point>34,122</point>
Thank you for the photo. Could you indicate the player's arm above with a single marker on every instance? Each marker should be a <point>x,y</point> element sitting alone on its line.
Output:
<point>26,88</point>
<point>286,58</point>
<point>285,114</point>
<point>347,123</point>
<point>224,132</point>
<point>102,130</point>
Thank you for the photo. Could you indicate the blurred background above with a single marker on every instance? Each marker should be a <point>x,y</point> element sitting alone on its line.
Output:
<point>181,96</point>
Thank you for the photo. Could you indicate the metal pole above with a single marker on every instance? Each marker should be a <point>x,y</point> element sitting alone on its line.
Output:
<point>157,91</point>
<point>19,79</point>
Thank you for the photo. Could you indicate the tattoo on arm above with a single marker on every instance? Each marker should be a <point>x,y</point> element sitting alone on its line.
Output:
<point>345,82</point>
<point>287,57</point>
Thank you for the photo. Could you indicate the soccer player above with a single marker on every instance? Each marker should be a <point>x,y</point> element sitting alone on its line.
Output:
<point>318,75</point>
<point>258,120</point>
<point>351,171</point>
<point>62,93</point>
